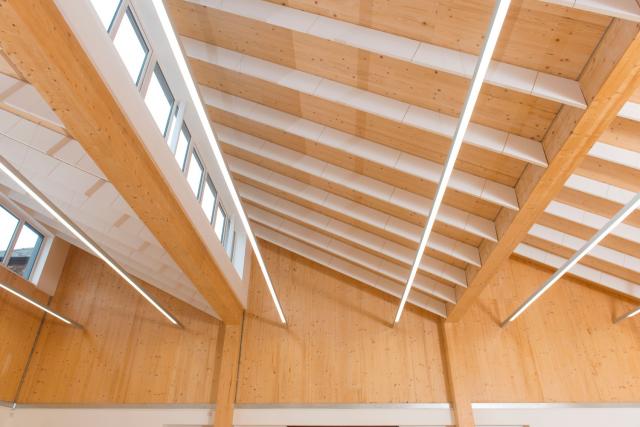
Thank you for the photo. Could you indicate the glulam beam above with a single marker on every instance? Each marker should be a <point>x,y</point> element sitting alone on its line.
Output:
<point>39,42</point>
<point>608,80</point>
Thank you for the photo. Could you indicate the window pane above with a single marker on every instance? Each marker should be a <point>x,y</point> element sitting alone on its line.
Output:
<point>231,241</point>
<point>194,175</point>
<point>159,99</point>
<point>182,146</point>
<point>25,251</point>
<point>8,224</point>
<point>106,10</point>
<point>208,199</point>
<point>130,45</point>
<point>221,218</point>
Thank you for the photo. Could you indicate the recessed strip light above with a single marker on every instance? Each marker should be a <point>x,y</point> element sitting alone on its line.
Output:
<point>195,99</point>
<point>42,200</point>
<point>491,38</point>
<point>40,306</point>
<point>620,216</point>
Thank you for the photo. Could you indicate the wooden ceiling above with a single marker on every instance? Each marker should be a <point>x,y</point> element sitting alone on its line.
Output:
<point>336,116</point>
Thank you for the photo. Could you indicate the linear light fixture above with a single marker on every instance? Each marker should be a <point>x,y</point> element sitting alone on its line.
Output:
<point>195,99</point>
<point>620,216</point>
<point>42,200</point>
<point>632,313</point>
<point>499,14</point>
<point>40,306</point>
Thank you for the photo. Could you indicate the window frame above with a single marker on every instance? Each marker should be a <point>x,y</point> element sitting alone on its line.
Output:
<point>225,226</point>
<point>192,153</point>
<point>125,8</point>
<point>164,85</point>
<point>214,190</point>
<point>23,220</point>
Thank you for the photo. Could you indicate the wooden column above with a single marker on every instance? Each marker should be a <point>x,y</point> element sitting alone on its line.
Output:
<point>610,77</point>
<point>457,390</point>
<point>228,375</point>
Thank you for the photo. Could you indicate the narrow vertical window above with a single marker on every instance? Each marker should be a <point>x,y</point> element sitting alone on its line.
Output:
<point>182,146</point>
<point>221,223</point>
<point>25,251</point>
<point>131,46</point>
<point>106,10</point>
<point>208,199</point>
<point>159,100</point>
<point>8,227</point>
<point>194,174</point>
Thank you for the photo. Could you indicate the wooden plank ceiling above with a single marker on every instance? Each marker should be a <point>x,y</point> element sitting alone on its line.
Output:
<point>336,116</point>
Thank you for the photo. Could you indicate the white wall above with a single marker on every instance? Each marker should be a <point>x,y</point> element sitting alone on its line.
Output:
<point>125,417</point>
<point>557,415</point>
<point>486,415</point>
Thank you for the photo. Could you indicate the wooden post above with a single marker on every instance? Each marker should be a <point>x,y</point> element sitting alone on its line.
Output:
<point>228,375</point>
<point>457,390</point>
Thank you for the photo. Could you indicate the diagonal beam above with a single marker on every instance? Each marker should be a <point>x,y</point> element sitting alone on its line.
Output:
<point>38,41</point>
<point>608,80</point>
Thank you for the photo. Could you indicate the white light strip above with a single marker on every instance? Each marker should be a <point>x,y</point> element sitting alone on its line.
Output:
<point>620,216</point>
<point>202,114</point>
<point>499,15</point>
<point>6,167</point>
<point>632,313</point>
<point>40,306</point>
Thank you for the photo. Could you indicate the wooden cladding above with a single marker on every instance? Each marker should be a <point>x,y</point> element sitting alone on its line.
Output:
<point>125,353</point>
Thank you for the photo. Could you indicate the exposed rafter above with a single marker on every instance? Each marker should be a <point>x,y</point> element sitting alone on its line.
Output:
<point>519,79</point>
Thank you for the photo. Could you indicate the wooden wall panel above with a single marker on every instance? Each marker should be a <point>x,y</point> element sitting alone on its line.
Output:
<point>127,352</point>
<point>564,348</point>
<point>19,324</point>
<point>338,346</point>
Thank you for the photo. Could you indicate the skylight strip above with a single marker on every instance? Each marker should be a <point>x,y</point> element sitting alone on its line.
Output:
<point>620,216</point>
<point>204,119</point>
<point>38,305</point>
<point>42,200</point>
<point>499,15</point>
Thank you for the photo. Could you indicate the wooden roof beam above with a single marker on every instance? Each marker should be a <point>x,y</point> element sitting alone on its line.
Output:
<point>345,231</point>
<point>348,268</point>
<point>520,79</point>
<point>342,208</point>
<point>38,41</point>
<point>608,80</point>
<point>484,137</point>
<point>349,252</point>
<point>352,181</point>
<point>353,146</point>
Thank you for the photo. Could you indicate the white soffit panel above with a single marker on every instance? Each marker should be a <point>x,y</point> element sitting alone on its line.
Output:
<point>500,74</point>
<point>587,273</point>
<point>484,137</point>
<point>440,243</point>
<point>448,215</point>
<point>623,9</point>
<point>387,157</point>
